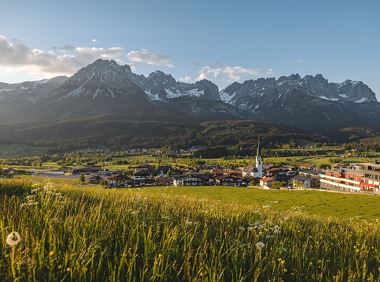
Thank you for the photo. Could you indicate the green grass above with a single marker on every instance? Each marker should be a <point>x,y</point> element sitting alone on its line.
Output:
<point>82,233</point>
<point>320,203</point>
<point>310,202</point>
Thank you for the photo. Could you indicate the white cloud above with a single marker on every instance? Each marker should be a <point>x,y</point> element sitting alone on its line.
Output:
<point>269,72</point>
<point>144,56</point>
<point>94,40</point>
<point>186,78</point>
<point>224,75</point>
<point>16,56</point>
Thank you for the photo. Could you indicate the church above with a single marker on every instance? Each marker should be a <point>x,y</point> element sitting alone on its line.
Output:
<point>259,171</point>
<point>256,171</point>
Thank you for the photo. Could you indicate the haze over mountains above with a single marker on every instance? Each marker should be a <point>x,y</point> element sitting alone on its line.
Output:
<point>106,90</point>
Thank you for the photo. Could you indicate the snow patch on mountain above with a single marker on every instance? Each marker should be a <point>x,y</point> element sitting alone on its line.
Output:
<point>153,97</point>
<point>174,93</point>
<point>329,99</point>
<point>362,100</point>
<point>226,97</point>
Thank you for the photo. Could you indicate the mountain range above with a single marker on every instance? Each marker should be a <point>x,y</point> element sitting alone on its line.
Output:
<point>105,90</point>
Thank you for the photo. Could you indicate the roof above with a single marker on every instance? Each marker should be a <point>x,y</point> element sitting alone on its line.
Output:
<point>301,178</point>
<point>267,179</point>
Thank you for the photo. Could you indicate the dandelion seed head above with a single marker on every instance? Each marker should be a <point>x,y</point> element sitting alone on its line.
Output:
<point>13,239</point>
<point>260,246</point>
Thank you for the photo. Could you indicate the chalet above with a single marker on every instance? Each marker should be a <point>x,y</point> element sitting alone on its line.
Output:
<point>189,180</point>
<point>267,182</point>
<point>249,171</point>
<point>117,181</point>
<point>177,172</point>
<point>230,180</point>
<point>163,170</point>
<point>95,179</point>
<point>164,181</point>
<point>302,182</point>
<point>7,173</point>
<point>143,171</point>
<point>207,179</point>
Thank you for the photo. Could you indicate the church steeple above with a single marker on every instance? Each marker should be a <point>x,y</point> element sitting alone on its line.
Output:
<point>259,162</point>
<point>258,147</point>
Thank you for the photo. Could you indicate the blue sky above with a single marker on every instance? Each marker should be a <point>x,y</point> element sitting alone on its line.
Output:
<point>219,40</point>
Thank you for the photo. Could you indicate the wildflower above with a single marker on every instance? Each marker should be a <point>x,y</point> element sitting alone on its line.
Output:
<point>188,222</point>
<point>276,229</point>
<point>260,246</point>
<point>13,239</point>
<point>51,253</point>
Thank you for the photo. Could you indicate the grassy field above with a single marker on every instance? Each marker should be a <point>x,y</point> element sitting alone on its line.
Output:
<point>80,233</point>
<point>320,203</point>
<point>311,202</point>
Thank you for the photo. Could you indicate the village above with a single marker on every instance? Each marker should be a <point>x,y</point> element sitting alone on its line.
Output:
<point>364,177</point>
<point>360,177</point>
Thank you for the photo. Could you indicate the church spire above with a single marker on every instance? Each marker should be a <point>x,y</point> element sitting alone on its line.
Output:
<point>258,147</point>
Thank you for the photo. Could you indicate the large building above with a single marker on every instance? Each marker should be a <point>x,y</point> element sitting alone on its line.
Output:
<point>371,176</point>
<point>363,177</point>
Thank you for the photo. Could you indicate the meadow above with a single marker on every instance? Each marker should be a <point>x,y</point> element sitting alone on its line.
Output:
<point>70,232</point>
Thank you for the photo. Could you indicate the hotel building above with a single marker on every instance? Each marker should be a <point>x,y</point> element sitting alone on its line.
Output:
<point>364,177</point>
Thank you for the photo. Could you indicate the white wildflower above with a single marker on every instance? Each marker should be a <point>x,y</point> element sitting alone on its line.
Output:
<point>260,246</point>
<point>13,239</point>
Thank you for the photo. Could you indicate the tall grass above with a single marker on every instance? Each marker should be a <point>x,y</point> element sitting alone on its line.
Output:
<point>109,235</point>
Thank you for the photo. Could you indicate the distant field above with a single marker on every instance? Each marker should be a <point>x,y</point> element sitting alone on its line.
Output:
<point>321,203</point>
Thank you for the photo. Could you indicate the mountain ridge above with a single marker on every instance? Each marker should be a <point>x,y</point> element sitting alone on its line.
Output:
<point>105,87</point>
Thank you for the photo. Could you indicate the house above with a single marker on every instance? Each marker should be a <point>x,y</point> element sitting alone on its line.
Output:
<point>249,171</point>
<point>207,179</point>
<point>267,182</point>
<point>189,180</point>
<point>7,173</point>
<point>116,181</point>
<point>230,180</point>
<point>163,170</point>
<point>144,172</point>
<point>95,179</point>
<point>164,181</point>
<point>302,182</point>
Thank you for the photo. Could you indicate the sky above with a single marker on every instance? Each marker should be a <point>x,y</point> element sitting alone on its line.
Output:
<point>223,41</point>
